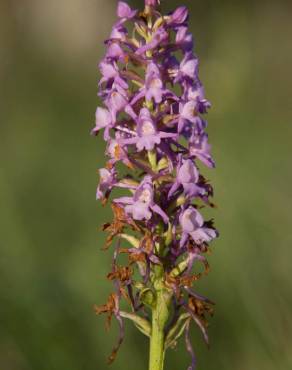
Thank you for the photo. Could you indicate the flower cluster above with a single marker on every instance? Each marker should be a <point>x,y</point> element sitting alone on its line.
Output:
<point>152,123</point>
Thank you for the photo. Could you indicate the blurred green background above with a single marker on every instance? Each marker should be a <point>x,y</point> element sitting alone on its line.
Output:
<point>51,268</point>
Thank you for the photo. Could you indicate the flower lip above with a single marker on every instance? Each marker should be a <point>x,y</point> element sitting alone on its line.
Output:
<point>148,128</point>
<point>153,84</point>
<point>144,195</point>
<point>145,125</point>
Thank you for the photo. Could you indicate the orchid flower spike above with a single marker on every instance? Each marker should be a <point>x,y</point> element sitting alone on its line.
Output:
<point>151,118</point>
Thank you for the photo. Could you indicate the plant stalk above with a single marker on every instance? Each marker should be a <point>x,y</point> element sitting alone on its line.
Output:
<point>160,314</point>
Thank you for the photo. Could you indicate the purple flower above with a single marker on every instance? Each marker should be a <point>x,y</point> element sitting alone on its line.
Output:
<point>110,72</point>
<point>200,148</point>
<point>187,69</point>
<point>124,11</point>
<point>197,94</point>
<point>116,102</point>
<point>184,39</point>
<point>188,113</point>
<point>103,120</point>
<point>179,16</point>
<point>141,205</point>
<point>187,177</point>
<point>116,152</point>
<point>107,181</point>
<point>153,86</point>
<point>192,223</point>
<point>147,135</point>
<point>147,132</point>
<point>153,83</point>
<point>115,52</point>
<point>158,37</point>
<point>119,33</point>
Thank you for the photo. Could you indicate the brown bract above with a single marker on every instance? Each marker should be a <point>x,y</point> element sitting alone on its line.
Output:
<point>117,226</point>
<point>121,273</point>
<point>108,308</point>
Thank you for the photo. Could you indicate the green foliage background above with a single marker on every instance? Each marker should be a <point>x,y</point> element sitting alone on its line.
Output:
<point>51,268</point>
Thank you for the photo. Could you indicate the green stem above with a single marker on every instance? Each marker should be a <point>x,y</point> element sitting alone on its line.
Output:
<point>160,314</point>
